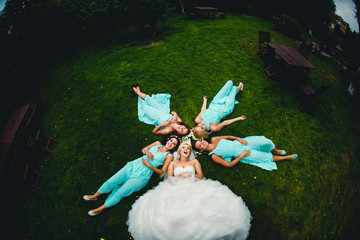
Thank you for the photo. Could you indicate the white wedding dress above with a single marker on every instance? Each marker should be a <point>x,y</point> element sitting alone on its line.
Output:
<point>189,208</point>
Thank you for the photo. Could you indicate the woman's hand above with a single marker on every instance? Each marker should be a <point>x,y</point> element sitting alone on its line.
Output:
<point>173,119</point>
<point>146,162</point>
<point>149,155</point>
<point>246,153</point>
<point>205,98</point>
<point>167,122</point>
<point>242,141</point>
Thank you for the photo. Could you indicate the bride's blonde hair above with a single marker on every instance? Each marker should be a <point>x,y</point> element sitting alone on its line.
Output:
<point>182,144</point>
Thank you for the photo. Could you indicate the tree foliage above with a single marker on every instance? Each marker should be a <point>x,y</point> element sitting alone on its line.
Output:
<point>25,19</point>
<point>44,21</point>
<point>357,11</point>
<point>30,27</point>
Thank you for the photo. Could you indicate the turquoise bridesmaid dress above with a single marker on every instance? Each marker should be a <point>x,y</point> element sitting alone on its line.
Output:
<point>131,178</point>
<point>154,110</point>
<point>259,146</point>
<point>222,105</point>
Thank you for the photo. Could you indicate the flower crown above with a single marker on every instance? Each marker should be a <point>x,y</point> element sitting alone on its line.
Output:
<point>191,136</point>
<point>188,138</point>
<point>174,136</point>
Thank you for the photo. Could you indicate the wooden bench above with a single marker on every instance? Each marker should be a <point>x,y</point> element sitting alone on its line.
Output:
<point>30,176</point>
<point>42,141</point>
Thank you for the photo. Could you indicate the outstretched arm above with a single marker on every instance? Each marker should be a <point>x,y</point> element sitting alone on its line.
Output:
<point>198,119</point>
<point>163,131</point>
<point>216,139</point>
<point>219,160</point>
<point>220,126</point>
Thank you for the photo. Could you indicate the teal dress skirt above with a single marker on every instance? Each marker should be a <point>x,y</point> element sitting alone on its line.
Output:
<point>131,178</point>
<point>259,146</point>
<point>222,105</point>
<point>154,110</point>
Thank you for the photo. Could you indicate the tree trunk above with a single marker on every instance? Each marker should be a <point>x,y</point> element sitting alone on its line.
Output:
<point>182,6</point>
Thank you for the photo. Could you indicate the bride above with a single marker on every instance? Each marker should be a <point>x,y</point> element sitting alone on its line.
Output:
<point>185,207</point>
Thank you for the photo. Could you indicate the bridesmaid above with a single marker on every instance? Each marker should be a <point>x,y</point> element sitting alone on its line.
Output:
<point>254,150</point>
<point>155,110</point>
<point>135,175</point>
<point>222,105</point>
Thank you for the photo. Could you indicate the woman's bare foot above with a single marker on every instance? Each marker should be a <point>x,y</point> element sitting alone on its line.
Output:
<point>134,89</point>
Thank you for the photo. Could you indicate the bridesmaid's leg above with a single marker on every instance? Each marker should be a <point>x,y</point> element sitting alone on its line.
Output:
<point>94,196</point>
<point>224,91</point>
<point>98,210</point>
<point>130,186</point>
<point>115,181</point>
<point>282,158</point>
<point>139,93</point>
<point>278,152</point>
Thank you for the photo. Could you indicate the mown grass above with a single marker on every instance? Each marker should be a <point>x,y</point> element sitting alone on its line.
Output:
<point>92,112</point>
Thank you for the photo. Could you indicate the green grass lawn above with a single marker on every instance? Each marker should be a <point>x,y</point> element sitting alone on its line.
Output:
<point>91,111</point>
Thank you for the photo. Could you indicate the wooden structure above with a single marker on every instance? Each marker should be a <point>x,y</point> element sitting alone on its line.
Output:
<point>19,136</point>
<point>264,39</point>
<point>41,141</point>
<point>206,11</point>
<point>31,176</point>
<point>8,133</point>
<point>270,62</point>
<point>294,62</point>
<point>291,56</point>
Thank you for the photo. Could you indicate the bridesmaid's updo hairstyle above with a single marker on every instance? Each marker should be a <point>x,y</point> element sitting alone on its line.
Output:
<point>200,134</point>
